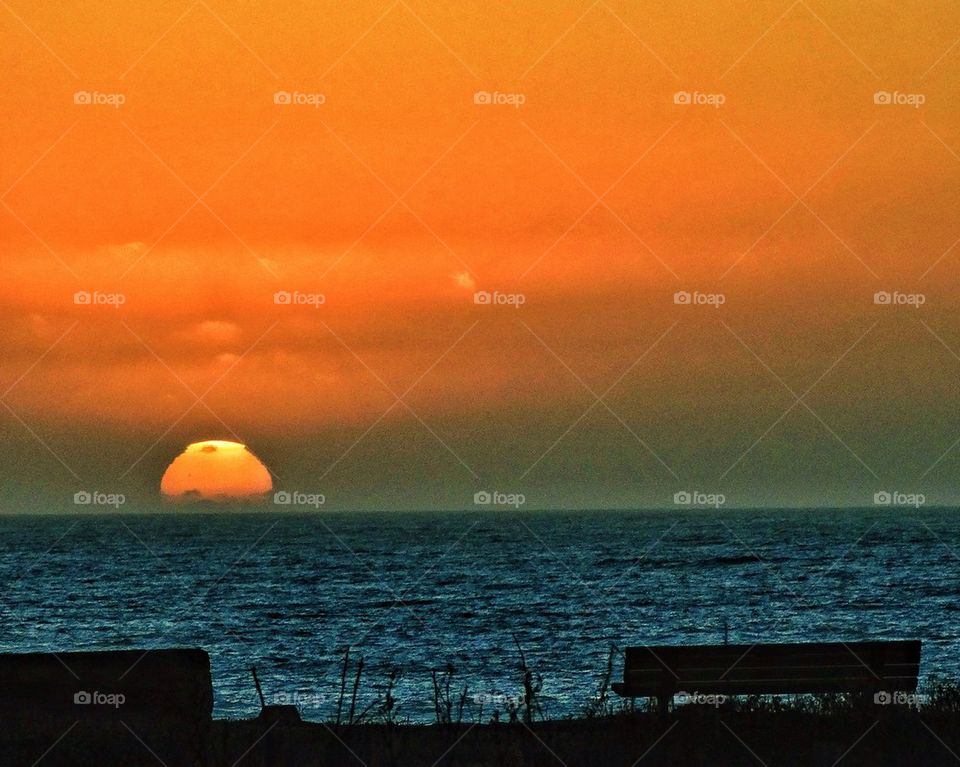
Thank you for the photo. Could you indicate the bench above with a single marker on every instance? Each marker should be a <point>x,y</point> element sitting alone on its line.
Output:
<point>769,669</point>
<point>109,700</point>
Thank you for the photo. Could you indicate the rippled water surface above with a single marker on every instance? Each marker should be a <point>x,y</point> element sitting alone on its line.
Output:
<point>421,590</point>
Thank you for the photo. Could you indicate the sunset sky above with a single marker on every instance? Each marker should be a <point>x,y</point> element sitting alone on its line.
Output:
<point>599,197</point>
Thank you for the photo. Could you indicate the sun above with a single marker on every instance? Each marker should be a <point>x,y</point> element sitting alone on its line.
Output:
<point>216,470</point>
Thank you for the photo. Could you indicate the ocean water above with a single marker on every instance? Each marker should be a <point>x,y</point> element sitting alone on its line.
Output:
<point>418,591</point>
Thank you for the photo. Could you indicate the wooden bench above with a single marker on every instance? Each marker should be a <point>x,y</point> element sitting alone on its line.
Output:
<point>769,669</point>
<point>109,700</point>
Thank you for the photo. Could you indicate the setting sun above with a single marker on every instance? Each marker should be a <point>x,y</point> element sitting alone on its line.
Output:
<point>215,470</point>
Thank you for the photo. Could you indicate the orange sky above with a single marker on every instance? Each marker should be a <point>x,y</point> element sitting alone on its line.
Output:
<point>596,199</point>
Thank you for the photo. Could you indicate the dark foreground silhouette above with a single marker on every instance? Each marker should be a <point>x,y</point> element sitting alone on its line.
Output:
<point>154,707</point>
<point>687,737</point>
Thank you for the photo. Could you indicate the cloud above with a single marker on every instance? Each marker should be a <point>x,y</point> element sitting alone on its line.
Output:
<point>218,332</point>
<point>227,359</point>
<point>464,280</point>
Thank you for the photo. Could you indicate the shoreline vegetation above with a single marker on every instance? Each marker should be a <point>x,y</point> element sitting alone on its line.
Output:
<point>904,728</point>
<point>454,704</point>
<point>830,730</point>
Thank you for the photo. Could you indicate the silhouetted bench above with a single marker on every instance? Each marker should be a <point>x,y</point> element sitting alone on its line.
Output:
<point>109,700</point>
<point>769,669</point>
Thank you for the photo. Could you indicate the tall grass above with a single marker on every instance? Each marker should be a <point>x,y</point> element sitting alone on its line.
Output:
<point>453,705</point>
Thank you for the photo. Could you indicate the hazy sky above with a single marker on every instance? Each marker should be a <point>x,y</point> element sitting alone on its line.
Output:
<point>787,189</point>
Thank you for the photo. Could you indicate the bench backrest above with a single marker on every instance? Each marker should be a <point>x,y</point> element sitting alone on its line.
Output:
<point>773,668</point>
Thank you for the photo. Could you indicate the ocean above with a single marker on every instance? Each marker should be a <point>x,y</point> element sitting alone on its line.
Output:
<point>287,592</point>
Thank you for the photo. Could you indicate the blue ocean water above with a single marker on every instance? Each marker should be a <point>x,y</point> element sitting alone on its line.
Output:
<point>419,591</point>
